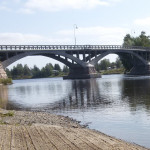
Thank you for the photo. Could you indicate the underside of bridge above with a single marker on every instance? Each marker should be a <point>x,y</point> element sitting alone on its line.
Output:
<point>134,65</point>
<point>79,68</point>
<point>80,60</point>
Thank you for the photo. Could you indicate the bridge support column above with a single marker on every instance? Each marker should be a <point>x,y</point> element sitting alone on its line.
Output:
<point>83,73</point>
<point>3,74</point>
<point>140,70</point>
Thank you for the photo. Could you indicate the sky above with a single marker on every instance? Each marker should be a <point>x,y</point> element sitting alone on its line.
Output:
<point>101,22</point>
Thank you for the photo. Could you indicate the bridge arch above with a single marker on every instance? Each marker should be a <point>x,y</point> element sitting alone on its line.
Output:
<point>55,55</point>
<point>98,58</point>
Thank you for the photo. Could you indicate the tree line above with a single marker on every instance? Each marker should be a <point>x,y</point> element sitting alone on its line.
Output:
<point>105,64</point>
<point>20,71</point>
<point>141,40</point>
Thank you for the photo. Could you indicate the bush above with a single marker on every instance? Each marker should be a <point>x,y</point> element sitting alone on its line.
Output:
<point>6,81</point>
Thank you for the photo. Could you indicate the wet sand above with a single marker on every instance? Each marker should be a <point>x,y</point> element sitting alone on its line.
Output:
<point>20,130</point>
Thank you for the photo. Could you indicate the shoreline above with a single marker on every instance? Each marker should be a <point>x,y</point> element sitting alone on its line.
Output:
<point>62,125</point>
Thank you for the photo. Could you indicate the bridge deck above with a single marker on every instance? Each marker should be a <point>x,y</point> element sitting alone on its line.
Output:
<point>68,47</point>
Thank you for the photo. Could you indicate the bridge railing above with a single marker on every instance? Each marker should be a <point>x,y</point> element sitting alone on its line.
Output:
<point>69,47</point>
<point>57,47</point>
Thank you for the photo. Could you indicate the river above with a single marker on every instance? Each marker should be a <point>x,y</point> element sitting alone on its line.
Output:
<point>117,105</point>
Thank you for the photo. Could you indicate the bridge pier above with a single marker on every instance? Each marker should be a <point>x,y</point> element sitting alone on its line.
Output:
<point>140,70</point>
<point>3,74</point>
<point>82,73</point>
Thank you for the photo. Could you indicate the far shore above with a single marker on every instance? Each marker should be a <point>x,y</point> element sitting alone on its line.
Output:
<point>33,131</point>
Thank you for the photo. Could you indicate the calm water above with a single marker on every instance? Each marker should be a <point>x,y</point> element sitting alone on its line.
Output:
<point>115,104</point>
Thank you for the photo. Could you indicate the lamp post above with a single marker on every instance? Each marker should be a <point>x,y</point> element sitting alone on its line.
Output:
<point>75,27</point>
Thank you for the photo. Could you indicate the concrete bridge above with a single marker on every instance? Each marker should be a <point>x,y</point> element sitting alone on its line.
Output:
<point>81,59</point>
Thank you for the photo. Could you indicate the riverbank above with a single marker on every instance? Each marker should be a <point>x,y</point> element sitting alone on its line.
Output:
<point>6,81</point>
<point>113,71</point>
<point>37,130</point>
<point>30,118</point>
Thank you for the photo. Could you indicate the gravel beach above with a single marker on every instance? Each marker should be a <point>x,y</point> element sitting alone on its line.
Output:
<point>23,130</point>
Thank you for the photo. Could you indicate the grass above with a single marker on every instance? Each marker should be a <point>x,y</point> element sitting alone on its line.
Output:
<point>1,122</point>
<point>6,81</point>
<point>9,114</point>
<point>59,75</point>
<point>113,71</point>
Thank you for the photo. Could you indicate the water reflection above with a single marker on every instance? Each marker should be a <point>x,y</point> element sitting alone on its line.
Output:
<point>84,94</point>
<point>137,93</point>
<point>53,95</point>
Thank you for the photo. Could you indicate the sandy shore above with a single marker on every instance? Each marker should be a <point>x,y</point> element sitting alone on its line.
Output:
<point>20,130</point>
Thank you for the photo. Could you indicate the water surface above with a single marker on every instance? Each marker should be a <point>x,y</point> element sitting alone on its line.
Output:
<point>114,104</point>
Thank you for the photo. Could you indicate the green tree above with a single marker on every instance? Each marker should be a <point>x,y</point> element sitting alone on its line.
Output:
<point>19,68</point>
<point>36,72</point>
<point>57,67</point>
<point>118,63</point>
<point>14,72</point>
<point>8,72</point>
<point>98,67</point>
<point>49,69</point>
<point>27,71</point>
<point>113,65</point>
<point>104,64</point>
<point>43,73</point>
<point>65,69</point>
<point>128,40</point>
<point>141,40</point>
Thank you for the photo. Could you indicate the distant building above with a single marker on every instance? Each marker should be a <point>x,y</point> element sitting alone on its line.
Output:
<point>55,71</point>
<point>108,68</point>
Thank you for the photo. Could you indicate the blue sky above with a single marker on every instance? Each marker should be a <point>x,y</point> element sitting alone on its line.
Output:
<point>52,22</point>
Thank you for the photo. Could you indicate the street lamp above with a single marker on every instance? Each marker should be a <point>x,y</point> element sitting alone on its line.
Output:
<point>75,27</point>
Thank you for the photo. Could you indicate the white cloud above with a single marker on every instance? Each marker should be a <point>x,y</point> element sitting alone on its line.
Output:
<point>19,38</point>
<point>25,11</point>
<point>143,22</point>
<point>4,8</point>
<point>17,1</point>
<point>97,30</point>
<point>85,35</point>
<point>97,35</point>
<point>115,1</point>
<point>58,5</point>
<point>31,6</point>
